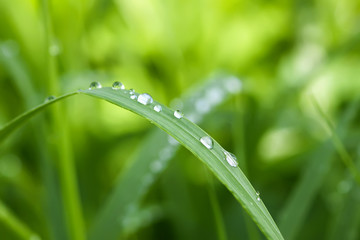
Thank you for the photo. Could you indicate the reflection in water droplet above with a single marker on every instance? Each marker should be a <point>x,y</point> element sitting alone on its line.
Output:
<point>259,199</point>
<point>50,98</point>
<point>178,114</point>
<point>118,85</point>
<point>94,85</point>
<point>145,99</point>
<point>133,96</point>
<point>231,159</point>
<point>157,108</point>
<point>131,91</point>
<point>207,142</point>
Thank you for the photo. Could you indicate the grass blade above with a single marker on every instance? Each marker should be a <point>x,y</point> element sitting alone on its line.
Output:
<point>19,120</point>
<point>188,134</point>
<point>153,158</point>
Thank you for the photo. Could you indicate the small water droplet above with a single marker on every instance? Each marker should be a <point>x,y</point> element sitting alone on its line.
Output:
<point>50,98</point>
<point>231,159</point>
<point>258,199</point>
<point>131,91</point>
<point>258,193</point>
<point>94,85</point>
<point>207,142</point>
<point>133,96</point>
<point>118,85</point>
<point>178,114</point>
<point>157,108</point>
<point>145,99</point>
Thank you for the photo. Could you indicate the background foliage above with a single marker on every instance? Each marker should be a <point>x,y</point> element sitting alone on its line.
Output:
<point>285,52</point>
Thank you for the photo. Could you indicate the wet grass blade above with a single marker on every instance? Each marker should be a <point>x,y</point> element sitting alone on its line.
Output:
<point>155,153</point>
<point>188,134</point>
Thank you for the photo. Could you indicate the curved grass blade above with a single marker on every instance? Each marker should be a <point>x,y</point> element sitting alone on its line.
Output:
<point>188,134</point>
<point>154,156</point>
<point>16,122</point>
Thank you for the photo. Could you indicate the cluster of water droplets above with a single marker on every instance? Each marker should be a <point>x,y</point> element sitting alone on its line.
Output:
<point>203,105</point>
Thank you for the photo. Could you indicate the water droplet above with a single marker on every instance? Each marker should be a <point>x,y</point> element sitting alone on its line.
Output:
<point>258,193</point>
<point>157,108</point>
<point>50,98</point>
<point>94,85</point>
<point>118,85</point>
<point>145,99</point>
<point>178,114</point>
<point>133,96</point>
<point>131,91</point>
<point>207,142</point>
<point>258,199</point>
<point>231,159</point>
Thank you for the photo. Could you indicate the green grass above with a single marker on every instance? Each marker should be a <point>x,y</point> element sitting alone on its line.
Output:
<point>188,134</point>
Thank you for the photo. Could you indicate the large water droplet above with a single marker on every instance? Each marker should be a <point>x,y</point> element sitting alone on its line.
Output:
<point>178,114</point>
<point>118,85</point>
<point>145,99</point>
<point>231,159</point>
<point>157,108</point>
<point>50,98</point>
<point>94,85</point>
<point>207,142</point>
<point>134,97</point>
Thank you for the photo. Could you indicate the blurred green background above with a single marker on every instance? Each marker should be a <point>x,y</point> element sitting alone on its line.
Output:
<point>285,52</point>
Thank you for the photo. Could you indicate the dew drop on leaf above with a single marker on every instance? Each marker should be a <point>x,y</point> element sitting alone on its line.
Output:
<point>145,99</point>
<point>231,159</point>
<point>50,98</point>
<point>157,108</point>
<point>118,85</point>
<point>178,114</point>
<point>94,85</point>
<point>207,142</point>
